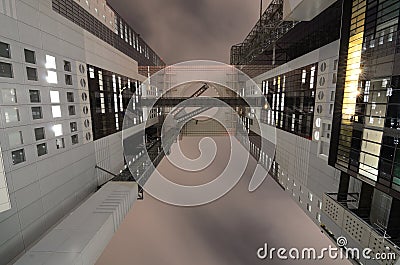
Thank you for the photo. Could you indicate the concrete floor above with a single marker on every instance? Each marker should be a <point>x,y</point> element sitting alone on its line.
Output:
<point>228,231</point>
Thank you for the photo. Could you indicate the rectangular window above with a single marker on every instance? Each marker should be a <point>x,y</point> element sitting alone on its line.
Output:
<point>40,134</point>
<point>9,95</point>
<point>6,70</point>
<point>34,96</point>
<point>75,139</point>
<point>68,80</point>
<point>54,97</point>
<point>60,144</point>
<point>5,50</point>
<point>71,110</point>
<point>67,66</point>
<point>58,130</point>
<point>30,56</point>
<point>70,97</point>
<point>56,111</point>
<point>11,115</point>
<point>37,113</point>
<point>52,77</point>
<point>18,156</point>
<point>73,126</point>
<point>51,62</point>
<point>41,149</point>
<point>15,139</point>
<point>32,74</point>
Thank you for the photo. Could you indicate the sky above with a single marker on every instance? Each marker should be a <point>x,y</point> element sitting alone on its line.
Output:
<point>181,30</point>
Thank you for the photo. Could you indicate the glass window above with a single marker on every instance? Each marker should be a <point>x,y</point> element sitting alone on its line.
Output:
<point>5,50</point>
<point>11,115</point>
<point>60,144</point>
<point>56,110</point>
<point>40,134</point>
<point>37,113</point>
<point>9,95</point>
<point>6,70</point>
<point>15,138</point>
<point>34,96</point>
<point>41,149</point>
<point>50,62</point>
<point>58,130</point>
<point>68,80</point>
<point>18,156</point>
<point>70,97</point>
<point>73,126</point>
<point>75,139</point>
<point>52,77</point>
<point>54,97</point>
<point>71,110</point>
<point>30,56</point>
<point>32,74</point>
<point>67,66</point>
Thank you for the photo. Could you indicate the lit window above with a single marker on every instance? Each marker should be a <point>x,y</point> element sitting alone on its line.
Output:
<point>40,134</point>
<point>310,196</point>
<point>317,135</point>
<point>32,74</point>
<point>15,138</point>
<point>5,50</point>
<point>309,207</point>
<point>60,144</point>
<point>55,97</point>
<point>50,62</point>
<point>9,95</point>
<point>58,130</point>
<point>41,149</point>
<point>73,126</point>
<point>37,113</point>
<point>52,77</point>
<point>11,115</point>
<point>18,156</point>
<point>56,110</point>
<point>91,72</point>
<point>30,56</point>
<point>34,96</point>
<point>318,122</point>
<point>6,70</point>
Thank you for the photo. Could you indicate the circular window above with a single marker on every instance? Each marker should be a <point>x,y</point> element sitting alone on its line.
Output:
<point>87,123</point>
<point>85,110</point>
<point>83,83</point>
<point>84,96</point>
<point>322,81</point>
<point>88,136</point>
<point>323,67</point>
<point>318,122</point>
<point>316,135</point>
<point>321,95</point>
<point>81,68</point>
<point>319,109</point>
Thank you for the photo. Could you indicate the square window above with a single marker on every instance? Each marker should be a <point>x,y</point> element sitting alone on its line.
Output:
<point>56,110</point>
<point>9,95</point>
<point>71,110</point>
<point>68,80</point>
<point>15,139</point>
<point>50,62</point>
<point>54,97</point>
<point>40,134</point>
<point>58,130</point>
<point>34,96</point>
<point>73,126</point>
<point>75,139</point>
<point>37,113</point>
<point>5,50</point>
<point>30,56</point>
<point>32,74</point>
<point>70,97</point>
<point>18,156</point>
<point>6,70</point>
<point>67,66</point>
<point>60,144</point>
<point>52,77</point>
<point>11,115</point>
<point>41,149</point>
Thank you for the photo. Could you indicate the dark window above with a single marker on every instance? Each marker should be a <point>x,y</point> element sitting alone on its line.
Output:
<point>41,149</point>
<point>18,156</point>
<point>73,126</point>
<point>68,80</point>
<point>75,139</point>
<point>67,66</point>
<point>37,113</point>
<point>6,70</point>
<point>32,73</point>
<point>40,134</point>
<point>34,96</point>
<point>70,97</point>
<point>5,50</point>
<point>71,110</point>
<point>60,144</point>
<point>30,56</point>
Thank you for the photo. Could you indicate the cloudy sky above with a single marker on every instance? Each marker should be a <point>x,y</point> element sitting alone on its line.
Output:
<point>180,30</point>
